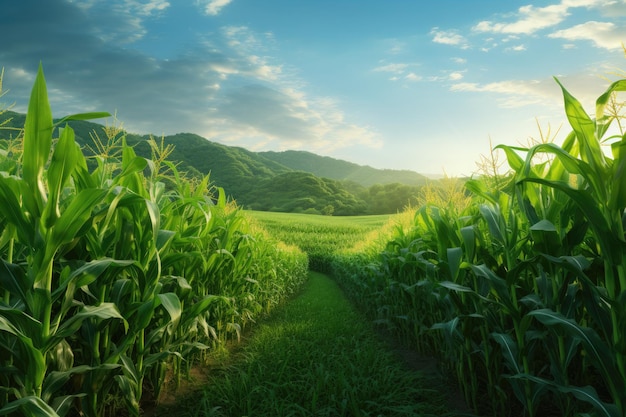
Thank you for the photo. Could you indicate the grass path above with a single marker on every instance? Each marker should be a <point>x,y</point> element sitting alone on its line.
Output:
<point>315,356</point>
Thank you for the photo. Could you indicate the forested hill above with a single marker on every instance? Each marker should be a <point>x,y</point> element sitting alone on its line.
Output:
<point>293,181</point>
<point>324,166</point>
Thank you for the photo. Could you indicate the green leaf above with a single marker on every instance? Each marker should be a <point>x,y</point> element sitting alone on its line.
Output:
<point>29,406</point>
<point>617,199</point>
<point>83,116</point>
<point>62,165</point>
<point>469,242</point>
<point>588,205</point>
<point>494,222</point>
<point>75,216</point>
<point>509,350</point>
<point>12,210</point>
<point>587,394</point>
<point>515,161</point>
<point>598,351</point>
<point>32,359</point>
<point>171,303</point>
<point>590,150</point>
<point>104,311</point>
<point>13,279</point>
<point>37,138</point>
<point>603,121</point>
<point>455,287</point>
<point>454,256</point>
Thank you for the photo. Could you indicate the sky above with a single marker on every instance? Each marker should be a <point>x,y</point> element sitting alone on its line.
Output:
<point>427,86</point>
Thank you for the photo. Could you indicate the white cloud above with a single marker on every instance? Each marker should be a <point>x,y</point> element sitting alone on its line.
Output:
<point>603,34</point>
<point>149,8</point>
<point>455,76</point>
<point>412,77</point>
<point>517,48</point>
<point>393,68</point>
<point>257,116</point>
<point>514,93</point>
<point>213,7</point>
<point>399,71</point>
<point>448,37</point>
<point>459,60</point>
<point>530,20</point>
<point>545,92</point>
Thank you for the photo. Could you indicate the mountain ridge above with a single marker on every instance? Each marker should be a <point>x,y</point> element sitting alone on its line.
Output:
<point>308,182</point>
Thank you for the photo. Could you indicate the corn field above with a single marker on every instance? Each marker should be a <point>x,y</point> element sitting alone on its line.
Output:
<point>117,270</point>
<point>518,287</point>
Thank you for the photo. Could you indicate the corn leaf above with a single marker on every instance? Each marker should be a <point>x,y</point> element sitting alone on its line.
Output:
<point>584,127</point>
<point>62,165</point>
<point>75,216</point>
<point>29,406</point>
<point>37,138</point>
<point>598,351</point>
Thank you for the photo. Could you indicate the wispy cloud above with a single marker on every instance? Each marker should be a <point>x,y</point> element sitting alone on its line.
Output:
<point>530,19</point>
<point>456,75</point>
<point>513,93</point>
<point>605,35</point>
<point>516,48</point>
<point>449,37</point>
<point>399,71</point>
<point>394,68</point>
<point>213,7</point>
<point>259,116</point>
<point>544,92</point>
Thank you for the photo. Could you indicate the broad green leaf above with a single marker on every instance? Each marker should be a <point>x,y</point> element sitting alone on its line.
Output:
<point>598,351</point>
<point>617,199</point>
<point>32,360</point>
<point>83,276</point>
<point>515,161</point>
<point>455,287</point>
<point>509,350</point>
<point>493,218</point>
<point>104,311</point>
<point>587,394</point>
<point>14,279</point>
<point>454,256</point>
<point>75,216</point>
<point>55,380</point>
<point>37,138</point>
<point>468,233</point>
<point>83,116</point>
<point>590,150</point>
<point>24,324</point>
<point>171,303</point>
<point>10,196</point>
<point>603,121</point>
<point>29,406</point>
<point>62,165</point>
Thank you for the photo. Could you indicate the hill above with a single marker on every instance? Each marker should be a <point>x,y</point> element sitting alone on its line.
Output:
<point>293,181</point>
<point>327,167</point>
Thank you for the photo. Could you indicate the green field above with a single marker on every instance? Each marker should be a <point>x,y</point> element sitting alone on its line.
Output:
<point>321,237</point>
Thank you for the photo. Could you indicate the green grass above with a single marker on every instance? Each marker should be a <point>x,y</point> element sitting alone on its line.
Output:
<point>316,356</point>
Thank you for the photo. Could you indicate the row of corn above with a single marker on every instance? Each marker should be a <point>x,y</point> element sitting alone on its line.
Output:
<point>117,271</point>
<point>521,293</point>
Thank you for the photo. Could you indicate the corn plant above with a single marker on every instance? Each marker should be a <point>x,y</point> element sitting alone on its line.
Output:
<point>40,221</point>
<point>116,272</point>
<point>521,294</point>
<point>595,184</point>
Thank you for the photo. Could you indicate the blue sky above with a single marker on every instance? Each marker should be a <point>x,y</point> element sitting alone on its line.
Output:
<point>388,83</point>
